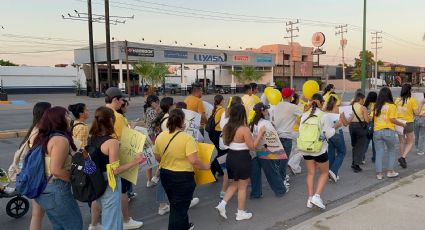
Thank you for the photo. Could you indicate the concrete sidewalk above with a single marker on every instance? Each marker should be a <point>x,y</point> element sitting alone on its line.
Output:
<point>400,205</point>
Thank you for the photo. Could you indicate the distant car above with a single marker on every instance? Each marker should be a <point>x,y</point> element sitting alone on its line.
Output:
<point>218,89</point>
<point>172,88</point>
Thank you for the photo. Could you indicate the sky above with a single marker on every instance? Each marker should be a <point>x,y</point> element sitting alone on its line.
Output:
<point>33,29</point>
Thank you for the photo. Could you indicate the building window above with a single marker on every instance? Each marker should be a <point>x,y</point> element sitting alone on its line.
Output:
<point>304,58</point>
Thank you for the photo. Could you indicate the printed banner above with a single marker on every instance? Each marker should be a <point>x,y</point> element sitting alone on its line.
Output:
<point>204,154</point>
<point>147,151</point>
<point>132,143</point>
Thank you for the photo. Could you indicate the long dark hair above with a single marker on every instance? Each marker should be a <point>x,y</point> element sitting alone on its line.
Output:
<point>103,123</point>
<point>328,88</point>
<point>217,101</point>
<point>165,105</point>
<point>371,98</point>
<point>149,100</point>
<point>314,104</point>
<point>37,114</point>
<point>237,118</point>
<point>76,109</point>
<point>406,93</point>
<point>357,97</point>
<point>53,120</point>
<point>258,116</point>
<point>384,96</point>
<point>295,99</point>
<point>234,100</point>
<point>331,102</point>
<point>175,120</point>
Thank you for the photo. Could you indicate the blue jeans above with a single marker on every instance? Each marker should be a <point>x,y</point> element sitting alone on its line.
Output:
<point>382,138</point>
<point>419,133</point>
<point>373,148</point>
<point>336,151</point>
<point>160,195</point>
<point>60,206</point>
<point>275,171</point>
<point>287,145</point>
<point>110,204</point>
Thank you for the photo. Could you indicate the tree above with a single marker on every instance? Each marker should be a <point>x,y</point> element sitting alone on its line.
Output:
<point>357,73</point>
<point>6,63</point>
<point>153,74</point>
<point>248,74</point>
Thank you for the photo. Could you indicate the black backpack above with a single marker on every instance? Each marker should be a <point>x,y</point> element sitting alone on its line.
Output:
<point>87,180</point>
<point>210,125</point>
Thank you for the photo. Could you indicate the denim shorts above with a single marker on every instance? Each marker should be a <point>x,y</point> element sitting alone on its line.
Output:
<point>60,206</point>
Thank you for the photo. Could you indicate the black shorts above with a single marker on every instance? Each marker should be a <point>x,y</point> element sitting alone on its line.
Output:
<point>410,127</point>
<point>125,185</point>
<point>319,159</point>
<point>238,164</point>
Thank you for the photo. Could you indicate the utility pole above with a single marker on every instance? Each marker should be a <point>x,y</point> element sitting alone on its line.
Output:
<point>364,73</point>
<point>290,30</point>
<point>128,71</point>
<point>92,67</point>
<point>376,39</point>
<point>108,43</point>
<point>341,29</point>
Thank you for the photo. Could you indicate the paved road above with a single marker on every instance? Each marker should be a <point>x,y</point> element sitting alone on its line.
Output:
<point>269,212</point>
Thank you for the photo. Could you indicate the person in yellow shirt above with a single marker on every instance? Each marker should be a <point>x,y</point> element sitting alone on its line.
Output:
<point>384,118</point>
<point>215,134</point>
<point>247,99</point>
<point>195,104</point>
<point>79,129</point>
<point>177,154</point>
<point>419,132</point>
<point>254,88</point>
<point>407,108</point>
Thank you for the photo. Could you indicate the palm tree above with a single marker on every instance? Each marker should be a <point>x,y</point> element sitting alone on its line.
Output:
<point>153,74</point>
<point>248,74</point>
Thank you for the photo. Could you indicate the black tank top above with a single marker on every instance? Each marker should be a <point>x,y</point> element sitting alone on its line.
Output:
<point>100,159</point>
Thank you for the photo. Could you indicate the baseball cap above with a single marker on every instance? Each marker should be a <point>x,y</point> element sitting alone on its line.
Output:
<point>112,92</point>
<point>260,106</point>
<point>287,92</point>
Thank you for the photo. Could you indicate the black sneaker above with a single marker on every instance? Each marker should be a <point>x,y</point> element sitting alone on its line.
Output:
<point>357,169</point>
<point>191,226</point>
<point>402,162</point>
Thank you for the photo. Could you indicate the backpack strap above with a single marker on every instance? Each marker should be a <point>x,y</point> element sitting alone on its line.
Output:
<point>213,116</point>
<point>358,118</point>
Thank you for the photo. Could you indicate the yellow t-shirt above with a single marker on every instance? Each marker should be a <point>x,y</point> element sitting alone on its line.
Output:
<point>406,111</point>
<point>383,121</point>
<point>370,108</point>
<point>358,108</point>
<point>119,124</point>
<point>256,99</point>
<point>296,127</point>
<point>248,102</point>
<point>194,104</point>
<point>217,117</point>
<point>174,158</point>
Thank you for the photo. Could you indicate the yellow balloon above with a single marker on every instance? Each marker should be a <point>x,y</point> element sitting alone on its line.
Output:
<point>274,97</point>
<point>267,90</point>
<point>310,87</point>
<point>251,116</point>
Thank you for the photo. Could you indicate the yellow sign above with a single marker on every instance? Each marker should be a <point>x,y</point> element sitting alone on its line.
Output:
<point>384,68</point>
<point>204,155</point>
<point>400,69</point>
<point>132,143</point>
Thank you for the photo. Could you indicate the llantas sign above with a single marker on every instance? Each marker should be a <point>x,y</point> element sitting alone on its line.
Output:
<point>210,57</point>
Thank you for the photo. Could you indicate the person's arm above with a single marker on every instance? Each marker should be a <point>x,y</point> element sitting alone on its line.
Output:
<point>327,126</point>
<point>194,160</point>
<point>58,151</point>
<point>343,120</point>
<point>418,108</point>
<point>365,114</point>
<point>112,147</point>
<point>201,110</point>
<point>249,140</point>
<point>392,115</point>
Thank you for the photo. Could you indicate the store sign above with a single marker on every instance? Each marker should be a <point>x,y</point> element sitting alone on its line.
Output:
<point>210,57</point>
<point>140,52</point>
<point>400,69</point>
<point>264,59</point>
<point>241,58</point>
<point>175,54</point>
<point>318,39</point>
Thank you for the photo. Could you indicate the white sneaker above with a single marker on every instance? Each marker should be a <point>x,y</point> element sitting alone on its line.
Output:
<point>309,204</point>
<point>164,210</point>
<point>150,184</point>
<point>9,190</point>
<point>316,200</point>
<point>243,215</point>
<point>155,179</point>
<point>221,211</point>
<point>421,153</point>
<point>287,179</point>
<point>95,227</point>
<point>132,224</point>
<point>379,176</point>
<point>392,174</point>
<point>195,201</point>
<point>287,186</point>
<point>333,176</point>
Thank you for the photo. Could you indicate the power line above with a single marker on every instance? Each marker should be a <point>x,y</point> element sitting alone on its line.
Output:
<point>290,30</point>
<point>341,30</point>
<point>376,39</point>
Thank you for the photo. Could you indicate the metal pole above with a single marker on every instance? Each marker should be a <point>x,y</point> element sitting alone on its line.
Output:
<point>92,67</point>
<point>108,43</point>
<point>364,49</point>
<point>128,71</point>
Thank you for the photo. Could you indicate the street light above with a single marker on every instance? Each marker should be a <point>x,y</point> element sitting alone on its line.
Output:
<point>364,49</point>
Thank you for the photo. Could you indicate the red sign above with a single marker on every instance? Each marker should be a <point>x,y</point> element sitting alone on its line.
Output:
<point>241,58</point>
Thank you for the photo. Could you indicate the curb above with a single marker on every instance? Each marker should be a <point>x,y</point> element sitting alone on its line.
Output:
<point>7,134</point>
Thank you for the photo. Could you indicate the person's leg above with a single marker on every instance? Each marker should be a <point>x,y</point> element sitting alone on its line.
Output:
<point>148,175</point>
<point>287,145</point>
<point>339,144</point>
<point>215,166</point>
<point>311,168</point>
<point>242,185</point>
<point>358,149</point>
<point>231,190</point>
<point>373,150</point>
<point>332,150</point>
<point>274,175</point>
<point>402,142</point>
<point>421,141</point>
<point>366,147</point>
<point>124,207</point>
<point>410,138</point>
<point>95,213</point>
<point>390,140</point>
<point>225,183</point>
<point>160,196</point>
<point>380,148</point>
<point>417,128</point>
<point>110,204</point>
<point>37,215</point>
<point>323,177</point>
<point>353,137</point>
<point>255,178</point>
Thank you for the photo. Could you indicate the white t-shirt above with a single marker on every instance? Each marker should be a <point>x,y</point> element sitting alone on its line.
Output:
<point>334,118</point>
<point>208,109</point>
<point>283,117</point>
<point>164,122</point>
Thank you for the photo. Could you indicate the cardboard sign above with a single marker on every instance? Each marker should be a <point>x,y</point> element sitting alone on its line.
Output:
<point>147,151</point>
<point>132,143</point>
<point>205,152</point>
<point>192,121</point>
<point>347,110</point>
